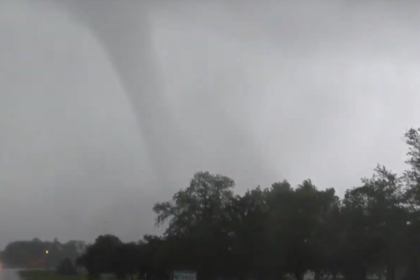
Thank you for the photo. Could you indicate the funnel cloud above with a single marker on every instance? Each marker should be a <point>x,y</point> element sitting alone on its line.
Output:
<point>109,106</point>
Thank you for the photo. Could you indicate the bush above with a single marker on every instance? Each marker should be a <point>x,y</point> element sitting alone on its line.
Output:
<point>66,267</point>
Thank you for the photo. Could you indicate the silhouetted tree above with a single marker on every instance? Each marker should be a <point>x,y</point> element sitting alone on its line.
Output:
<point>268,233</point>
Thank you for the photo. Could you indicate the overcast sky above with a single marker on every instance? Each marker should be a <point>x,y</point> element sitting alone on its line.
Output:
<point>106,109</point>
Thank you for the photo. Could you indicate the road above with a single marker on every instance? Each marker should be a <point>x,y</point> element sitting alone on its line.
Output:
<point>9,274</point>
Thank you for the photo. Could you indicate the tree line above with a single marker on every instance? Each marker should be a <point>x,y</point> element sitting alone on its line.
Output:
<point>268,233</point>
<point>38,253</point>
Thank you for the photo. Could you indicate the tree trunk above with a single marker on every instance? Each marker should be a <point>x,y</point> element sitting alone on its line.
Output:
<point>298,275</point>
<point>356,273</point>
<point>390,272</point>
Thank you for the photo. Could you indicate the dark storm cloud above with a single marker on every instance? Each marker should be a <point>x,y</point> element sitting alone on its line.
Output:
<point>108,108</point>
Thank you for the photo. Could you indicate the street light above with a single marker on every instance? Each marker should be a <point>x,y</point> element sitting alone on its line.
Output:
<point>46,261</point>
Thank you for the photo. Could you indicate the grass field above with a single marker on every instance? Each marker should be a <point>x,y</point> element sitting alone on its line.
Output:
<point>47,275</point>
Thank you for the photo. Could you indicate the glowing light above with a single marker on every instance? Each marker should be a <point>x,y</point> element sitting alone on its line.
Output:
<point>46,252</point>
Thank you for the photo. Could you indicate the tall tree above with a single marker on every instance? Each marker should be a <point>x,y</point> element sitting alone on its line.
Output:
<point>100,257</point>
<point>199,213</point>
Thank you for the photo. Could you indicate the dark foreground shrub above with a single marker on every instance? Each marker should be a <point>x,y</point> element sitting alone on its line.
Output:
<point>66,267</point>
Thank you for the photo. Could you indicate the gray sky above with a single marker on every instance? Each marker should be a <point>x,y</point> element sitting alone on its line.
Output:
<point>257,90</point>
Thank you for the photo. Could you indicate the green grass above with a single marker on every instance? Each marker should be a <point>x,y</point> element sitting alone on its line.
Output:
<point>47,275</point>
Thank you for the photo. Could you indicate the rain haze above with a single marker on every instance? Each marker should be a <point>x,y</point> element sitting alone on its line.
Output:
<point>106,109</point>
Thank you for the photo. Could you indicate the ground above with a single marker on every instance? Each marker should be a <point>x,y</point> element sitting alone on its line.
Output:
<point>47,275</point>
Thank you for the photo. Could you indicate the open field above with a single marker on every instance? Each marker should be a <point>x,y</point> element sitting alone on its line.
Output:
<point>47,275</point>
